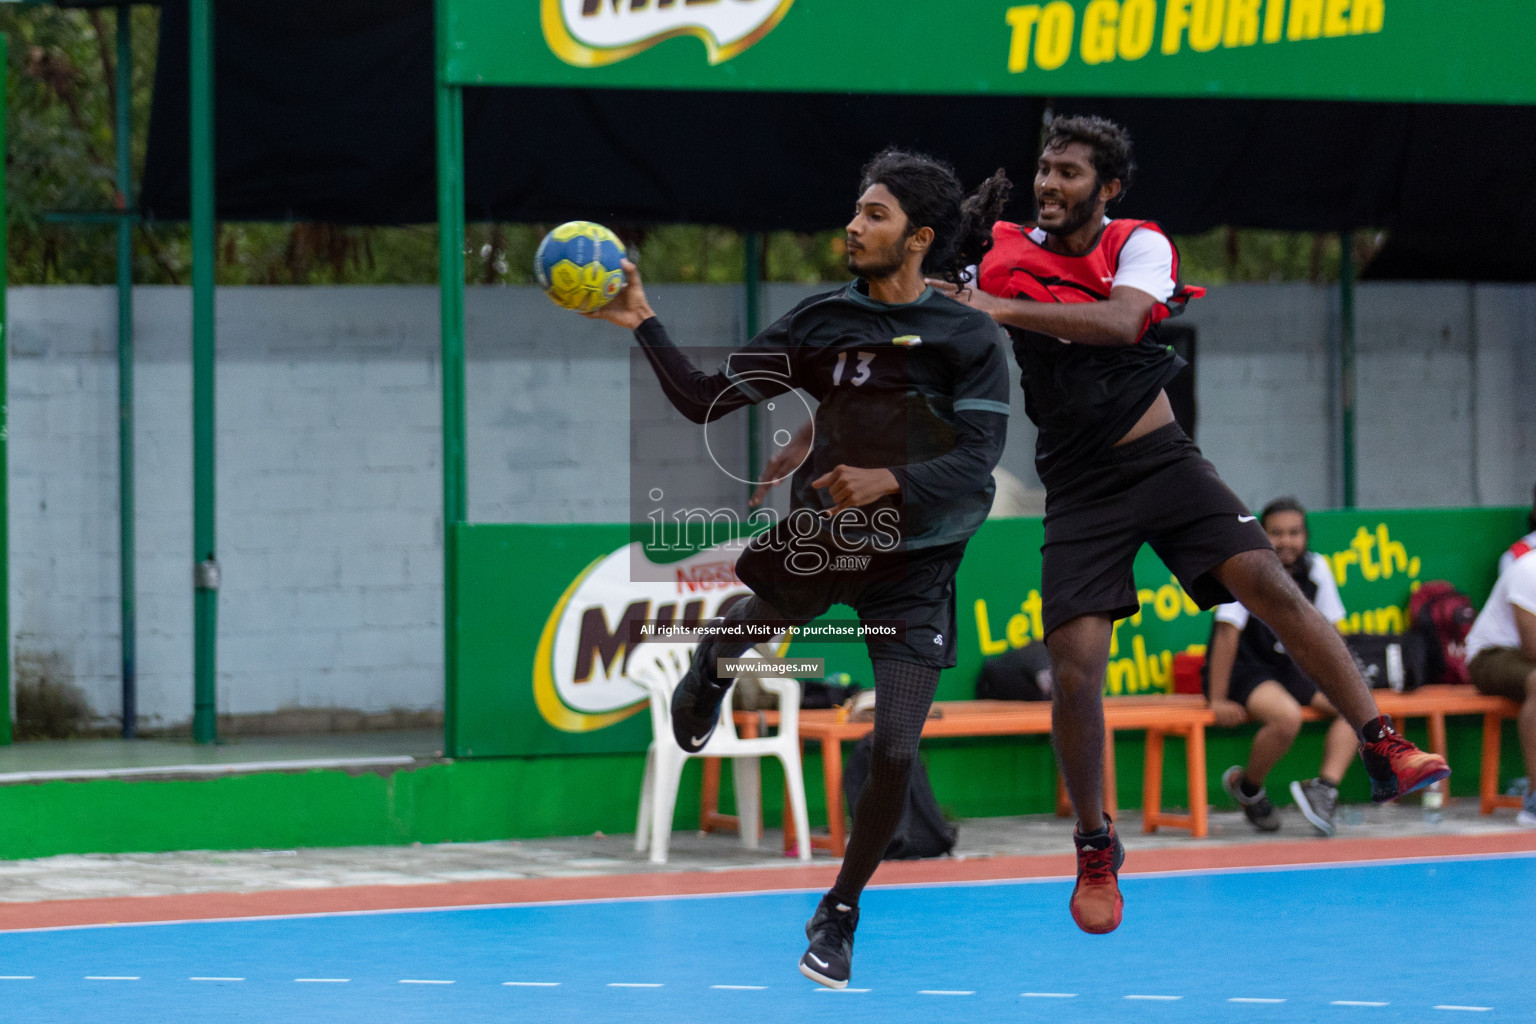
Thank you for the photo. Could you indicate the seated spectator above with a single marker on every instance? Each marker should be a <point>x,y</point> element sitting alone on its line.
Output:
<point>1501,652</point>
<point>1250,677</point>
<point>1524,544</point>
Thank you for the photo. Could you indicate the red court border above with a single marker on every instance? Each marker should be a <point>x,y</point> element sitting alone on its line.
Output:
<point>351,899</point>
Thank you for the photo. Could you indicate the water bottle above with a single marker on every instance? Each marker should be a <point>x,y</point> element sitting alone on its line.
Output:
<point>1395,673</point>
<point>1434,801</point>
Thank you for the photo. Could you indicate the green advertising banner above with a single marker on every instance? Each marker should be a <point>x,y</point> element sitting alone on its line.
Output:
<point>542,638</point>
<point>1427,50</point>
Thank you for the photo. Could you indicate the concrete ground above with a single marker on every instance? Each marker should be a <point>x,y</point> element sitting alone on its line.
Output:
<point>96,876</point>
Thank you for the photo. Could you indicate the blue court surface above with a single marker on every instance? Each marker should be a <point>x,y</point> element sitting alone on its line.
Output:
<point>1431,940</point>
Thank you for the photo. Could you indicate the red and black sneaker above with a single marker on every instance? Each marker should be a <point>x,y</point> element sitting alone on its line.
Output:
<point>1096,900</point>
<point>1397,767</point>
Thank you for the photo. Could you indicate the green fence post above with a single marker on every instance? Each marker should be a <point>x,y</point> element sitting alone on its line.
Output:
<point>752,285</point>
<point>5,441</point>
<point>1347,362</point>
<point>450,228</point>
<point>126,574</point>
<point>205,563</point>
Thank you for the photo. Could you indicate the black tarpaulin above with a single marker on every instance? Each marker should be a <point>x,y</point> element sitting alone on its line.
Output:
<point>325,112</point>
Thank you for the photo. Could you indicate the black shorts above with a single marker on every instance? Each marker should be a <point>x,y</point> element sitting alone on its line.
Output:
<point>1247,675</point>
<point>915,587</point>
<point>1157,490</point>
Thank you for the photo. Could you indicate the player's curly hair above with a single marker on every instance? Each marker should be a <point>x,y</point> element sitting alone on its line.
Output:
<point>931,196</point>
<point>1109,143</point>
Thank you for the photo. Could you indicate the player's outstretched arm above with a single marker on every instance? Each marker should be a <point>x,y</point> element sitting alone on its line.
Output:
<point>691,391</point>
<point>700,396</point>
<point>1118,320</point>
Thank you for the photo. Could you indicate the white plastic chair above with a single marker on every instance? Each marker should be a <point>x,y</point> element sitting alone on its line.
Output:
<point>659,668</point>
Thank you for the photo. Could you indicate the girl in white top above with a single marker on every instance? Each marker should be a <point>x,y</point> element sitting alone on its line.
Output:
<point>1250,677</point>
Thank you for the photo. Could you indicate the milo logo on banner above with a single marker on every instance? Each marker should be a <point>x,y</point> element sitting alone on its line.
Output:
<point>580,680</point>
<point>591,33</point>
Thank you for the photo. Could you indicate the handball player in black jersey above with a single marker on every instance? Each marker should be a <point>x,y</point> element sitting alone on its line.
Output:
<point>1082,295</point>
<point>913,393</point>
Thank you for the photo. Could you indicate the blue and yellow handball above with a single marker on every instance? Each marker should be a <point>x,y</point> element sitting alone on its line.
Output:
<point>577,265</point>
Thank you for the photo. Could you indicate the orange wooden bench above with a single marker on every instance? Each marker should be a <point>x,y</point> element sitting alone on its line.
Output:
<point>1184,715</point>
<point>1432,703</point>
<point>1436,701</point>
<point>1160,716</point>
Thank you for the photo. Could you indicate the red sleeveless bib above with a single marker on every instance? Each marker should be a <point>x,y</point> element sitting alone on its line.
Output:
<point>1019,267</point>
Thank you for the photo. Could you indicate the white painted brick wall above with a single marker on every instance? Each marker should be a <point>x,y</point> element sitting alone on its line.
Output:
<point>329,479</point>
<point>1261,379</point>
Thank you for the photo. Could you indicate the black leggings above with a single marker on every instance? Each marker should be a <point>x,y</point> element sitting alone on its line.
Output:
<point>903,694</point>
<point>753,607</point>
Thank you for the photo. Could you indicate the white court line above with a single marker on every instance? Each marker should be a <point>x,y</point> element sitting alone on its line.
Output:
<point>741,988</point>
<point>111,977</point>
<point>1047,995</point>
<point>823,988</point>
<point>18,977</point>
<point>1253,999</point>
<point>323,981</point>
<point>424,981</point>
<point>945,992</point>
<point>215,979</point>
<point>532,984</point>
<point>1158,999</point>
<point>1471,1009</point>
<point>634,984</point>
<point>1355,1002</point>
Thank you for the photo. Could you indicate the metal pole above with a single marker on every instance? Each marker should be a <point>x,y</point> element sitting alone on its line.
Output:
<point>752,286</point>
<point>205,561</point>
<point>450,228</point>
<point>1474,361</point>
<point>5,444</point>
<point>1347,361</point>
<point>125,368</point>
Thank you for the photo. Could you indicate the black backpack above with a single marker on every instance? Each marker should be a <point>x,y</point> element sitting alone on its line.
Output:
<point>1396,661</point>
<point>1023,673</point>
<point>923,832</point>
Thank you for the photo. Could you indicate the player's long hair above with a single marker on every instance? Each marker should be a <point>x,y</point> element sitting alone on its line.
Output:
<point>931,196</point>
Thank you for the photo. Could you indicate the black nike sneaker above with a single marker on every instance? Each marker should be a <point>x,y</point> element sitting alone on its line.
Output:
<point>696,708</point>
<point>829,960</point>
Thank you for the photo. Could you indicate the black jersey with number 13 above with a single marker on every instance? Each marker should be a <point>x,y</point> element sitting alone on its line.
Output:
<point>920,388</point>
